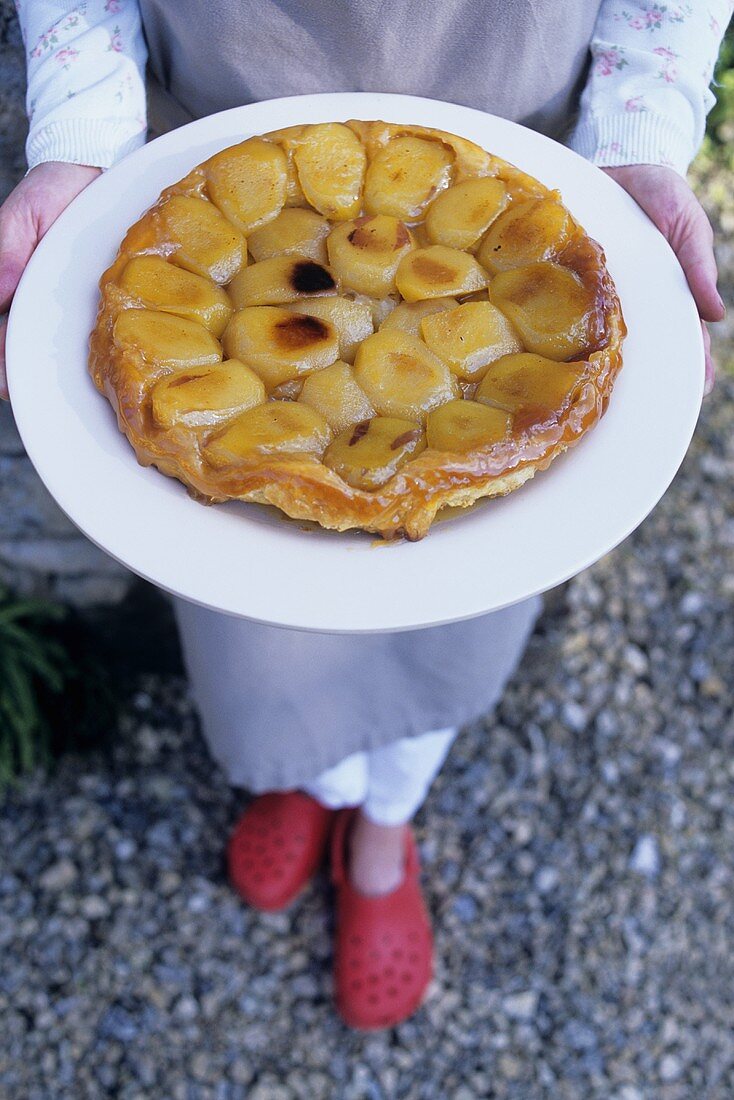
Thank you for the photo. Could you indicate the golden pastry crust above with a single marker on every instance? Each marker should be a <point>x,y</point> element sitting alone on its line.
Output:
<point>301,484</point>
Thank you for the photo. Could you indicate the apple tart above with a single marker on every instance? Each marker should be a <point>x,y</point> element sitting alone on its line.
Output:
<point>358,323</point>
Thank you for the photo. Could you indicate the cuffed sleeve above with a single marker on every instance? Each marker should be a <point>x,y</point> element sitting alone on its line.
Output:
<point>647,94</point>
<point>86,88</point>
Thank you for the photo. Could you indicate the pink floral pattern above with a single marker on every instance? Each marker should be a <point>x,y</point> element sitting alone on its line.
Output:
<point>668,70</point>
<point>610,60</point>
<point>65,56</point>
<point>656,16</point>
<point>51,37</point>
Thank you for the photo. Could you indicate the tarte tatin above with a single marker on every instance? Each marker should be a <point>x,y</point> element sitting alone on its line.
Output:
<point>360,323</point>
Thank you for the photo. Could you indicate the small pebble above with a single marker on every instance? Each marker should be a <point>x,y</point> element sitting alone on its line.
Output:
<point>645,857</point>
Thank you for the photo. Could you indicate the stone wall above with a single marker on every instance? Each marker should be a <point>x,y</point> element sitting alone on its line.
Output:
<point>41,552</point>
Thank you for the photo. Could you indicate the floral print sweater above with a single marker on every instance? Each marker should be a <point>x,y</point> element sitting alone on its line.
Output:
<point>645,101</point>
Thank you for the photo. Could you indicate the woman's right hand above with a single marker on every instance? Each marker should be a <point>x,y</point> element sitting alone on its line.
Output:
<point>29,210</point>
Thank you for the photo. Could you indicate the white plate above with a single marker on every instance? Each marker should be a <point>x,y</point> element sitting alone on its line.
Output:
<point>245,559</point>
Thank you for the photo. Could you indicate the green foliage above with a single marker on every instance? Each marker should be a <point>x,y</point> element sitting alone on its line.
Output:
<point>29,659</point>
<point>720,128</point>
<point>56,689</point>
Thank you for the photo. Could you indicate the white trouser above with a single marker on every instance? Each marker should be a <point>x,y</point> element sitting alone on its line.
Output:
<point>389,783</point>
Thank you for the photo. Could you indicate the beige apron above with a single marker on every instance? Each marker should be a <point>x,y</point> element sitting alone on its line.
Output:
<point>279,706</point>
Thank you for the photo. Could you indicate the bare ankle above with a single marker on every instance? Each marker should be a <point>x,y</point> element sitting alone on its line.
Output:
<point>376,856</point>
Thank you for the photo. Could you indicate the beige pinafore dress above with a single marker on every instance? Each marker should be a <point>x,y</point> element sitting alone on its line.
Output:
<point>279,706</point>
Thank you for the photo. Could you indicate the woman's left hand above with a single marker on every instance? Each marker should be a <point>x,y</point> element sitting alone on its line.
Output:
<point>670,203</point>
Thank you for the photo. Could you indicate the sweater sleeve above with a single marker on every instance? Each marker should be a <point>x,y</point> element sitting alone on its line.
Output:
<point>86,89</point>
<point>647,95</point>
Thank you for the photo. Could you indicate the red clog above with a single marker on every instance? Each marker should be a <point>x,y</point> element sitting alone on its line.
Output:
<point>276,846</point>
<point>383,954</point>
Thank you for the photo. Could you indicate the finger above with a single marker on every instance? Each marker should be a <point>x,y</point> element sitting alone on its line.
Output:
<point>4,395</point>
<point>693,246</point>
<point>18,238</point>
<point>710,378</point>
<point>11,269</point>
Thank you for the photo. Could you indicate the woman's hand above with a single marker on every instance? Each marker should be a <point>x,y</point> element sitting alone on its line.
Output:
<point>26,214</point>
<point>669,202</point>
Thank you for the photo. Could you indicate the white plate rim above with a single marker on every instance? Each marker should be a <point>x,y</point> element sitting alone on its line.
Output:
<point>349,586</point>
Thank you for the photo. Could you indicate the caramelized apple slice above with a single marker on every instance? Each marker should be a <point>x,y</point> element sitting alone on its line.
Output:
<point>166,340</point>
<point>275,428</point>
<point>205,396</point>
<point>401,377</point>
<point>530,385</point>
<point>280,344</point>
<point>548,305</point>
<point>526,233</point>
<point>407,316</point>
<point>352,320</point>
<point>203,240</point>
<point>301,231</point>
<point>334,393</point>
<point>278,280</point>
<point>331,162</point>
<point>364,254</point>
<point>460,215</point>
<point>248,182</point>
<point>369,453</point>
<point>404,176</point>
<point>470,337</point>
<point>438,272</point>
<point>170,289</point>
<point>463,426</point>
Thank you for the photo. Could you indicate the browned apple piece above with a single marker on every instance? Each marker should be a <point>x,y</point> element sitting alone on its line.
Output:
<point>280,344</point>
<point>369,453</point>
<point>275,428</point>
<point>525,233</point>
<point>331,161</point>
<point>203,240</point>
<point>206,396</point>
<point>407,316</point>
<point>248,182</point>
<point>351,319</point>
<point>300,231</point>
<point>405,175</point>
<point>530,386</point>
<point>334,393</point>
<point>463,426</point>
<point>470,337</point>
<point>460,215</point>
<point>164,340</point>
<point>548,305</point>
<point>278,280</point>
<point>165,287</point>
<point>438,272</point>
<point>401,377</point>
<point>365,253</point>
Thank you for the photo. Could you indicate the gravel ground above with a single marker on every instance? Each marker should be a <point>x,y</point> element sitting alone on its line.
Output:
<point>577,854</point>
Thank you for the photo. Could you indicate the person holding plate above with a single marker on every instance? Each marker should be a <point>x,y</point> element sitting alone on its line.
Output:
<point>341,736</point>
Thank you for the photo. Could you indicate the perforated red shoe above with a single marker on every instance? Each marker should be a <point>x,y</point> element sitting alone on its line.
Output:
<point>383,952</point>
<point>276,846</point>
